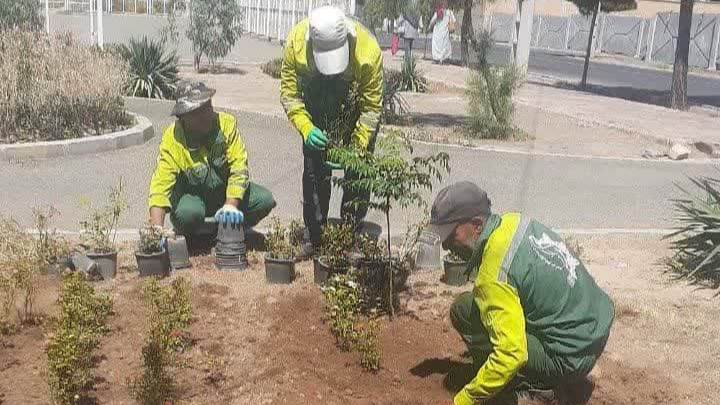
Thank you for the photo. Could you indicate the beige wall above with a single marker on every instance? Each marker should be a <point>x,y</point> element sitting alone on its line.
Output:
<point>646,8</point>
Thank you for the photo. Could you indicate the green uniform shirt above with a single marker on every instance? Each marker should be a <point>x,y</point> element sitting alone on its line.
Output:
<point>528,281</point>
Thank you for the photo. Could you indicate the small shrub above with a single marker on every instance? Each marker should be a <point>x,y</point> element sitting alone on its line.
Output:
<point>489,95</point>
<point>696,242</point>
<point>20,264</point>
<point>100,230</point>
<point>411,78</point>
<point>368,344</point>
<point>156,385</point>
<point>215,26</point>
<point>336,243</point>
<point>51,248</point>
<point>150,237</point>
<point>153,69</point>
<point>170,312</point>
<point>169,315</point>
<point>273,68</point>
<point>283,243</point>
<point>342,303</point>
<point>81,324</point>
<point>394,104</point>
<point>20,15</point>
<point>45,92</point>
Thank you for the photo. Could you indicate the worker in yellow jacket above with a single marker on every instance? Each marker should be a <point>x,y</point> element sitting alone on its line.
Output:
<point>202,168</point>
<point>327,57</point>
<point>535,318</point>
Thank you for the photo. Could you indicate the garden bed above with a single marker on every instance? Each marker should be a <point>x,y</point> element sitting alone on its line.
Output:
<point>257,343</point>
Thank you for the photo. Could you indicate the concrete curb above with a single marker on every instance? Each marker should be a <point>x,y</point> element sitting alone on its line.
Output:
<point>140,133</point>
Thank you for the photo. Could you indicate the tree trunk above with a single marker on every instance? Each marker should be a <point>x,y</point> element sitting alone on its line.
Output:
<point>591,37</point>
<point>678,91</point>
<point>467,32</point>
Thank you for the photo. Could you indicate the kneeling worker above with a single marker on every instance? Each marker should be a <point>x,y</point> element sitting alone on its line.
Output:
<point>535,318</point>
<point>202,168</point>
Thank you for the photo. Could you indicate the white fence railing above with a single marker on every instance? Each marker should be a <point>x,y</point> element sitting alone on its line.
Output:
<point>273,19</point>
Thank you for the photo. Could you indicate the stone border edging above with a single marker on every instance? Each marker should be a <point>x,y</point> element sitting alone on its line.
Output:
<point>138,134</point>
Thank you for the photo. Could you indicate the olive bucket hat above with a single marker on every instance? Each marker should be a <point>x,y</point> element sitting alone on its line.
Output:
<point>191,95</point>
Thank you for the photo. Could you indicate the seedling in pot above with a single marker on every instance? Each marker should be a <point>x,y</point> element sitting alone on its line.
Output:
<point>151,256</point>
<point>283,247</point>
<point>53,251</point>
<point>393,180</point>
<point>100,232</point>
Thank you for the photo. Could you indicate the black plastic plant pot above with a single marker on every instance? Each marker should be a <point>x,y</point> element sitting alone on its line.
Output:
<point>155,264</point>
<point>321,271</point>
<point>279,271</point>
<point>106,264</point>
<point>454,273</point>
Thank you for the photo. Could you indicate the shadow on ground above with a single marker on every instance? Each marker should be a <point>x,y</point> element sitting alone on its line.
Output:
<point>655,97</point>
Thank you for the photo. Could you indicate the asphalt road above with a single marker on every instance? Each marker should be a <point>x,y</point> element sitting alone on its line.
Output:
<point>562,192</point>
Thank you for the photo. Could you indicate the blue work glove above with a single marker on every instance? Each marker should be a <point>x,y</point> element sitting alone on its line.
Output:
<point>229,214</point>
<point>333,166</point>
<point>316,140</point>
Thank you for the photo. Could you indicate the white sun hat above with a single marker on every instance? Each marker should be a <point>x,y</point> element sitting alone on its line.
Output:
<point>329,38</point>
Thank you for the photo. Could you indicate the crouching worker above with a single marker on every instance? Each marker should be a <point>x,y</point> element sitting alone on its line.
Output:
<point>202,168</point>
<point>535,318</point>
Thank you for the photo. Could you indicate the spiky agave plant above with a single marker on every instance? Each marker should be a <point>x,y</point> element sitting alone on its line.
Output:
<point>411,78</point>
<point>697,239</point>
<point>153,69</point>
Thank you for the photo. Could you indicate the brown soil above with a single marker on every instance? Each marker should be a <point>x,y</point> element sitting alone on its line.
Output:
<point>256,343</point>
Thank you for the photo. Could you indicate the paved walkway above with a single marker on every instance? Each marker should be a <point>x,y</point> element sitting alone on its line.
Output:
<point>653,122</point>
<point>565,193</point>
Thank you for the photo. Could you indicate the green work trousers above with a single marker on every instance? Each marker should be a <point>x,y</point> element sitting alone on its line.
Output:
<point>190,210</point>
<point>544,370</point>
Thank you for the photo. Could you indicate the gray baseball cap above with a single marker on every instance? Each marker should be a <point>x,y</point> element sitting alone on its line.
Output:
<point>191,95</point>
<point>456,204</point>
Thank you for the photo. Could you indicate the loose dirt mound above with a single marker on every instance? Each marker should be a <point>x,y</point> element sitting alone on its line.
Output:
<point>417,357</point>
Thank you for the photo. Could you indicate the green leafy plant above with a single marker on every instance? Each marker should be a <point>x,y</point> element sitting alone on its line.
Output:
<point>342,300</point>
<point>215,26</point>
<point>150,237</point>
<point>100,231</point>
<point>283,243</point>
<point>368,344</point>
<point>411,78</point>
<point>50,247</point>
<point>169,314</point>
<point>80,325</point>
<point>393,179</point>
<point>336,244</point>
<point>696,242</point>
<point>20,264</point>
<point>394,104</point>
<point>21,15</point>
<point>153,69</point>
<point>273,68</point>
<point>489,95</point>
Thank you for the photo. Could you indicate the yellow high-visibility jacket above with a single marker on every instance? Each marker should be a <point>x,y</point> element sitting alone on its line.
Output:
<point>366,69</point>
<point>224,159</point>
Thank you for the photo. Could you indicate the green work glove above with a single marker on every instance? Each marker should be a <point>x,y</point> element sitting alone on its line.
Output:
<point>333,166</point>
<point>316,140</point>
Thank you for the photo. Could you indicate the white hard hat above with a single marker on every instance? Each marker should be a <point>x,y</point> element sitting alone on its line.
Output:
<point>329,36</point>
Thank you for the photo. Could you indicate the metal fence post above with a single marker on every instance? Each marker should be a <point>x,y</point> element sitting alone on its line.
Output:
<point>279,18</point>
<point>539,28</point>
<point>267,20</point>
<point>640,39</point>
<point>294,13</point>
<point>257,18</point>
<point>567,32</point>
<point>651,40</point>
<point>715,45</point>
<point>602,32</point>
<point>310,6</point>
<point>100,39</point>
